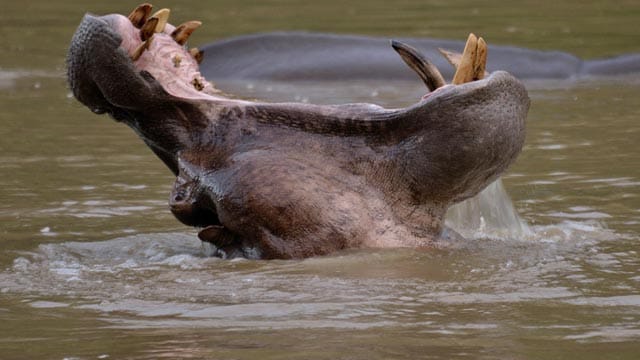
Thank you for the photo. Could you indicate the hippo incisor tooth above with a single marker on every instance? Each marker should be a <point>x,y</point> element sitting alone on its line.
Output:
<point>465,72</point>
<point>141,48</point>
<point>480,63</point>
<point>140,14</point>
<point>183,31</point>
<point>427,72</point>
<point>197,54</point>
<point>148,29</point>
<point>163,18</point>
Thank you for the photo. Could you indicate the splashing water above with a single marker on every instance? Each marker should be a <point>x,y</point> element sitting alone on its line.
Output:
<point>488,214</point>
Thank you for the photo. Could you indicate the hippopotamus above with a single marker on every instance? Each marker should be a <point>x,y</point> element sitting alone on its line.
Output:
<point>293,180</point>
<point>291,56</point>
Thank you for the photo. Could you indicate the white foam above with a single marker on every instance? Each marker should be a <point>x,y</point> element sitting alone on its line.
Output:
<point>488,214</point>
<point>48,304</point>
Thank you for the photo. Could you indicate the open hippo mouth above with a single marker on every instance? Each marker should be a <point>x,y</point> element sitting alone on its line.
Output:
<point>289,180</point>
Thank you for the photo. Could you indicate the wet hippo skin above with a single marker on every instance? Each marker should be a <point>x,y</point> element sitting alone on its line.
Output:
<point>291,180</point>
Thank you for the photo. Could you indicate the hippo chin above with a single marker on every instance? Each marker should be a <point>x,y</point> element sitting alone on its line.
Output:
<point>291,180</point>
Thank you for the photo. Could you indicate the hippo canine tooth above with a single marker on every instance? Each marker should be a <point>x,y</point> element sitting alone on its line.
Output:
<point>140,14</point>
<point>465,70</point>
<point>148,29</point>
<point>480,63</point>
<point>425,69</point>
<point>454,59</point>
<point>141,48</point>
<point>163,18</point>
<point>183,31</point>
<point>471,65</point>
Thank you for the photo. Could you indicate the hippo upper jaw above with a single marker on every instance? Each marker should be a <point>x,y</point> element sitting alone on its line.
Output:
<point>102,75</point>
<point>109,66</point>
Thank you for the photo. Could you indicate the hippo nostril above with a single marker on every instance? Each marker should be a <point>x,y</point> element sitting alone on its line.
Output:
<point>179,195</point>
<point>177,201</point>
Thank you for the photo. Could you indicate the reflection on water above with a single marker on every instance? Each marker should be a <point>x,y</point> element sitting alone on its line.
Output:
<point>94,266</point>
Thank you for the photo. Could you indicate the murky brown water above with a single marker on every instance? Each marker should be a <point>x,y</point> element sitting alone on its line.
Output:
<point>93,265</point>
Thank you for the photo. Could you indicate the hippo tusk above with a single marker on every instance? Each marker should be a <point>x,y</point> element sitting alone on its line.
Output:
<point>163,17</point>
<point>480,64</point>
<point>140,14</point>
<point>183,31</point>
<point>465,71</point>
<point>471,64</point>
<point>425,69</point>
<point>140,49</point>
<point>148,29</point>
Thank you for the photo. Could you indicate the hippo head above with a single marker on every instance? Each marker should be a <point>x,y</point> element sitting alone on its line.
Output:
<point>417,160</point>
<point>115,67</point>
<point>133,72</point>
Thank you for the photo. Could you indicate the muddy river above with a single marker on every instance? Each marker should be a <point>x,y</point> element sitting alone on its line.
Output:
<point>94,266</point>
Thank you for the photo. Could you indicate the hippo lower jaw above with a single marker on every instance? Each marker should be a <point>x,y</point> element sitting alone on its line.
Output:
<point>296,180</point>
